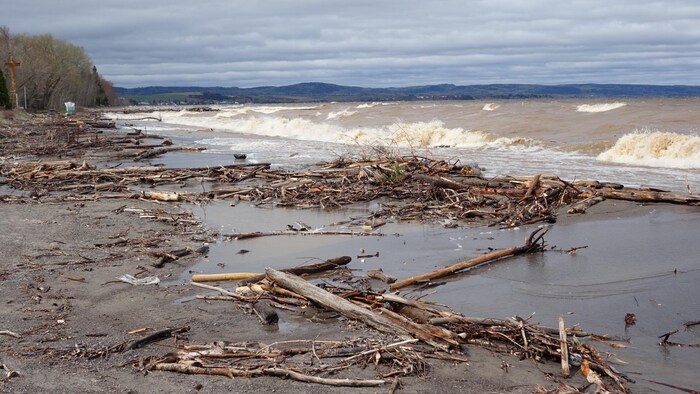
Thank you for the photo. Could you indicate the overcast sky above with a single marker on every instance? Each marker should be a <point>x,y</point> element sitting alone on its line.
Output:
<point>374,43</point>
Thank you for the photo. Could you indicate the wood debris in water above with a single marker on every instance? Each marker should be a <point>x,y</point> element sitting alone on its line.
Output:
<point>427,190</point>
<point>438,327</point>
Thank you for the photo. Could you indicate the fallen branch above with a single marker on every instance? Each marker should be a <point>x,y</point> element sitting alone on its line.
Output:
<point>308,269</point>
<point>155,337</point>
<point>10,333</point>
<point>224,277</point>
<point>385,321</point>
<point>380,275</point>
<point>258,234</point>
<point>147,154</point>
<point>531,245</point>
<point>277,372</point>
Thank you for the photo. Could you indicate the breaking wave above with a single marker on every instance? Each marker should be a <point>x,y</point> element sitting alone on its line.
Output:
<point>604,107</point>
<point>400,134</point>
<point>655,149</point>
<point>490,107</point>
<point>340,114</point>
<point>373,104</point>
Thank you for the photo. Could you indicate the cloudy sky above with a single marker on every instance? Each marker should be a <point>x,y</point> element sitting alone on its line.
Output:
<point>374,42</point>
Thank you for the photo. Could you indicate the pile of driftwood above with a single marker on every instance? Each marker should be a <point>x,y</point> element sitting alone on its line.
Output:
<point>51,134</point>
<point>409,188</point>
<point>85,134</point>
<point>418,330</point>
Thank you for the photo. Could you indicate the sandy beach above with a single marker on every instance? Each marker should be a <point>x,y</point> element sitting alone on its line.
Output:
<point>62,308</point>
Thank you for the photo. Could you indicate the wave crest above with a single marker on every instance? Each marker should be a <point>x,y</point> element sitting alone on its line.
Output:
<point>655,149</point>
<point>604,107</point>
<point>340,114</point>
<point>490,107</point>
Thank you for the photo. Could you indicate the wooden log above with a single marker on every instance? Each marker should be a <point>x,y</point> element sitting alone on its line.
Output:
<point>582,206</point>
<point>531,245</point>
<point>533,187</point>
<point>385,321</point>
<point>155,337</point>
<point>258,234</point>
<point>649,196</point>
<point>307,269</point>
<point>171,256</point>
<point>265,313</point>
<point>147,154</point>
<point>333,302</point>
<point>465,183</point>
<point>223,277</point>
<point>564,348</point>
<point>194,370</point>
<point>278,372</point>
<point>597,185</point>
<point>162,196</point>
<point>287,373</point>
<point>380,275</point>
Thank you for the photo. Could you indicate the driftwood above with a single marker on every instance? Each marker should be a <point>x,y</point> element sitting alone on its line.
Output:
<point>162,196</point>
<point>224,277</point>
<point>155,337</point>
<point>265,313</point>
<point>333,302</point>
<point>456,192</point>
<point>385,321</point>
<point>308,269</point>
<point>564,348</point>
<point>531,245</point>
<point>278,372</point>
<point>380,275</point>
<point>171,256</point>
<point>258,234</point>
<point>638,195</point>
<point>582,206</point>
<point>147,154</point>
<point>10,333</point>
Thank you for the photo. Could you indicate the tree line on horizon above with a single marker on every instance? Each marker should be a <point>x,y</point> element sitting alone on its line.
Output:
<point>51,72</point>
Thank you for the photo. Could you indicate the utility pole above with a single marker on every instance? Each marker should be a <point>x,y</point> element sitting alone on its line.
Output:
<point>11,64</point>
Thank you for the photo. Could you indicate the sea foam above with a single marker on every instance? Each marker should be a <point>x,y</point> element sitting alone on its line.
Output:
<point>655,149</point>
<point>400,134</point>
<point>604,107</point>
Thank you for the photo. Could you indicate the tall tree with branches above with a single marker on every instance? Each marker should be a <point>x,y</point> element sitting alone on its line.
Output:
<point>5,101</point>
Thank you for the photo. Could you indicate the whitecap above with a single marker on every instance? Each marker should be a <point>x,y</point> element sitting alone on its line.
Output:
<point>655,149</point>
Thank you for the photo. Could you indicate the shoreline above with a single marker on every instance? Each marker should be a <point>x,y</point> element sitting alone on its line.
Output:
<point>89,307</point>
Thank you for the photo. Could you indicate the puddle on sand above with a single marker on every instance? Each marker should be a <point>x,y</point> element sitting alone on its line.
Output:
<point>628,267</point>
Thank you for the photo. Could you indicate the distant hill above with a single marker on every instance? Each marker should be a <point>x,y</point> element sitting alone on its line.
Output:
<point>316,91</point>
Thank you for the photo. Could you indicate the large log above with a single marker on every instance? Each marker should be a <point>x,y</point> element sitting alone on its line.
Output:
<point>463,183</point>
<point>384,321</point>
<point>307,269</point>
<point>531,245</point>
<point>649,196</point>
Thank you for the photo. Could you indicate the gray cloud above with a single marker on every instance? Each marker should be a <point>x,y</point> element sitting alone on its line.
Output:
<point>375,43</point>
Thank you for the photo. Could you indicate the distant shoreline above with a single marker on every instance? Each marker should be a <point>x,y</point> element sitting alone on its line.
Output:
<point>324,92</point>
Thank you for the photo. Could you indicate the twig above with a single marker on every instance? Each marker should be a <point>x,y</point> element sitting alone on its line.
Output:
<point>10,333</point>
<point>370,351</point>
<point>155,337</point>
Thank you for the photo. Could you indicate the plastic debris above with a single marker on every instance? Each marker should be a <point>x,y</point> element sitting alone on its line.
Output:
<point>148,280</point>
